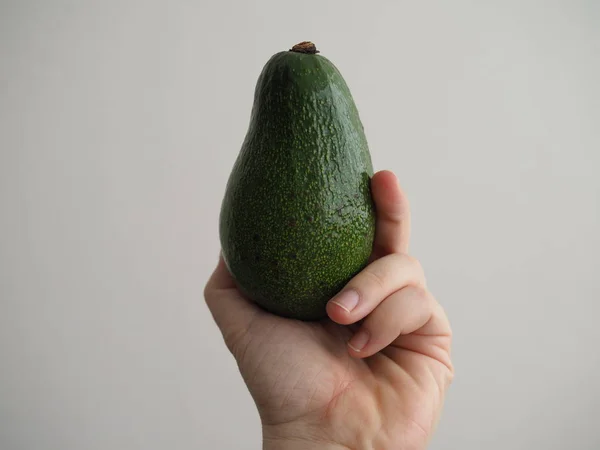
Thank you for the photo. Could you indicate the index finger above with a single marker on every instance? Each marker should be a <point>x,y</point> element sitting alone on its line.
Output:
<point>392,233</point>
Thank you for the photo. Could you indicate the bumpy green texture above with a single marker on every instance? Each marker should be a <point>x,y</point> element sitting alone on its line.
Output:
<point>297,221</point>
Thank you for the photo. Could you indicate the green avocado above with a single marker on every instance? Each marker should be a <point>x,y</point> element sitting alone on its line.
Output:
<point>297,220</point>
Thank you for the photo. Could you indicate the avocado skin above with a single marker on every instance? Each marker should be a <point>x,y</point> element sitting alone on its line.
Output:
<point>297,220</point>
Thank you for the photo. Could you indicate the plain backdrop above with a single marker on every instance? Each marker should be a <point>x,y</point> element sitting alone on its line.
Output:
<point>119,124</point>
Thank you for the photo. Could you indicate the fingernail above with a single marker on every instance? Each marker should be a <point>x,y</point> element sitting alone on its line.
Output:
<point>359,340</point>
<point>347,299</point>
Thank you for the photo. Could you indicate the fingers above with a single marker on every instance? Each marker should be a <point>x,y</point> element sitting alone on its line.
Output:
<point>391,299</point>
<point>402,313</point>
<point>392,233</point>
<point>231,311</point>
<point>370,287</point>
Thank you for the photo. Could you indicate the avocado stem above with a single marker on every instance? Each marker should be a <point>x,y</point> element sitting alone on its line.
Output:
<point>305,47</point>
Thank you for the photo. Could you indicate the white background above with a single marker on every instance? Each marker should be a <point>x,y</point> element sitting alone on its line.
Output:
<point>119,124</point>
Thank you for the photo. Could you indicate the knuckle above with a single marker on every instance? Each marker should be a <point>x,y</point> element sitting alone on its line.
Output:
<point>415,263</point>
<point>450,373</point>
<point>421,292</point>
<point>398,214</point>
<point>417,268</point>
<point>375,278</point>
<point>413,266</point>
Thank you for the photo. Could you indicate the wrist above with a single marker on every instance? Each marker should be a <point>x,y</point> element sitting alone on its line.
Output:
<point>275,438</point>
<point>276,444</point>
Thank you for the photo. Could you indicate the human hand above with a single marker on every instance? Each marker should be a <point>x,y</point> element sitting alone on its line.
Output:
<point>371,376</point>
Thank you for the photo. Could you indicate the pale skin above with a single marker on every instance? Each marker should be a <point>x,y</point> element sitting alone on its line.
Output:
<point>372,376</point>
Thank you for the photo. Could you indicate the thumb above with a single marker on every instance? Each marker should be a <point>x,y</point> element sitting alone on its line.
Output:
<point>232,312</point>
<point>392,233</point>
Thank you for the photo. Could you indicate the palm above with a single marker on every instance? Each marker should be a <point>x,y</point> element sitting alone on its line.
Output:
<point>303,370</point>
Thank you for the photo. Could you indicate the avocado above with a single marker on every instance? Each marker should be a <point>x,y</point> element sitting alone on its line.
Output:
<point>297,220</point>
